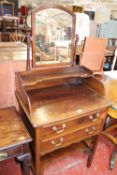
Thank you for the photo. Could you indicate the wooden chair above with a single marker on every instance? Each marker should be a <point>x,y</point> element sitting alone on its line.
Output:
<point>7,8</point>
<point>94,54</point>
<point>112,41</point>
<point>17,37</point>
<point>43,56</point>
<point>111,127</point>
<point>114,60</point>
<point>10,21</point>
<point>108,132</point>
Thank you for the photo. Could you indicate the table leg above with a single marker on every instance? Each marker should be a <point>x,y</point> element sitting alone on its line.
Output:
<point>25,160</point>
<point>91,156</point>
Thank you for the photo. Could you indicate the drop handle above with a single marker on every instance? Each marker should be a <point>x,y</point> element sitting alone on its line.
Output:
<point>94,118</point>
<point>54,128</point>
<point>3,156</point>
<point>91,130</point>
<point>56,144</point>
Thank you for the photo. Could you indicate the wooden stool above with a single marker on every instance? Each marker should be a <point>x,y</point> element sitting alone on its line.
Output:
<point>14,139</point>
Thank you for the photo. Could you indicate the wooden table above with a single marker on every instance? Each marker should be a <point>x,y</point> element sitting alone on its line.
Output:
<point>13,57</point>
<point>10,23</point>
<point>14,139</point>
<point>109,80</point>
<point>13,51</point>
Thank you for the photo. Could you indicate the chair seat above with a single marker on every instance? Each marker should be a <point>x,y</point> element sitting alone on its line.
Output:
<point>112,111</point>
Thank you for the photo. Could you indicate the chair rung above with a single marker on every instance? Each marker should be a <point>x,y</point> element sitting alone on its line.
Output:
<point>110,137</point>
<point>110,128</point>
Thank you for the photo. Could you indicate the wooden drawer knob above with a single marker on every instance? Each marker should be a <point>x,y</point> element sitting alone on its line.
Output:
<point>54,128</point>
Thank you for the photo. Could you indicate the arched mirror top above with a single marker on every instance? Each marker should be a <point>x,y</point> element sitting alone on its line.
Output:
<point>53,31</point>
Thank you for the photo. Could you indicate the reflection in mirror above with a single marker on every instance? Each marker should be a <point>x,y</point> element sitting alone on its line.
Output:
<point>53,36</point>
<point>28,20</point>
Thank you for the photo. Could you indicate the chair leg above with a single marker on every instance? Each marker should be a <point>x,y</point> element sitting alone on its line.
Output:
<point>112,160</point>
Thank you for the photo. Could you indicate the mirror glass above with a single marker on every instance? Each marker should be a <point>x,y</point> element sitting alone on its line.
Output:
<point>53,36</point>
<point>28,20</point>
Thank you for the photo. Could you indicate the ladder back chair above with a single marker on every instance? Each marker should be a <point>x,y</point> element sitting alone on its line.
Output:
<point>93,55</point>
<point>17,37</point>
<point>112,112</point>
<point>110,131</point>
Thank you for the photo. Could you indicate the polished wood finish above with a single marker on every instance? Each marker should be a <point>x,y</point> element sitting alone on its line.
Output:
<point>59,103</point>
<point>93,54</point>
<point>60,108</point>
<point>109,55</point>
<point>14,138</point>
<point>108,52</point>
<point>109,80</point>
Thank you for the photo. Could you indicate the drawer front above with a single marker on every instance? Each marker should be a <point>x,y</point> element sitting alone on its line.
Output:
<point>10,152</point>
<point>68,139</point>
<point>67,126</point>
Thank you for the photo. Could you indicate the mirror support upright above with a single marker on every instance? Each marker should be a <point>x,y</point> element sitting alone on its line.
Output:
<point>28,63</point>
<point>75,48</point>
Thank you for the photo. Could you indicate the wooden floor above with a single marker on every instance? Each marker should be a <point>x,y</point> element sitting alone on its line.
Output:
<point>71,161</point>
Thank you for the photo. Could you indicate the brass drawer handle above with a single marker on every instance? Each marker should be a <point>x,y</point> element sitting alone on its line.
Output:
<point>54,128</point>
<point>90,131</point>
<point>57,144</point>
<point>94,118</point>
<point>3,156</point>
<point>97,114</point>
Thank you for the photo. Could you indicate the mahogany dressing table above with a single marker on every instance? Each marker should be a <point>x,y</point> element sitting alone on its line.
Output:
<point>61,103</point>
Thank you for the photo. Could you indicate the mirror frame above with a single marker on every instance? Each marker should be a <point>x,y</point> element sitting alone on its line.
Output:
<point>33,24</point>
